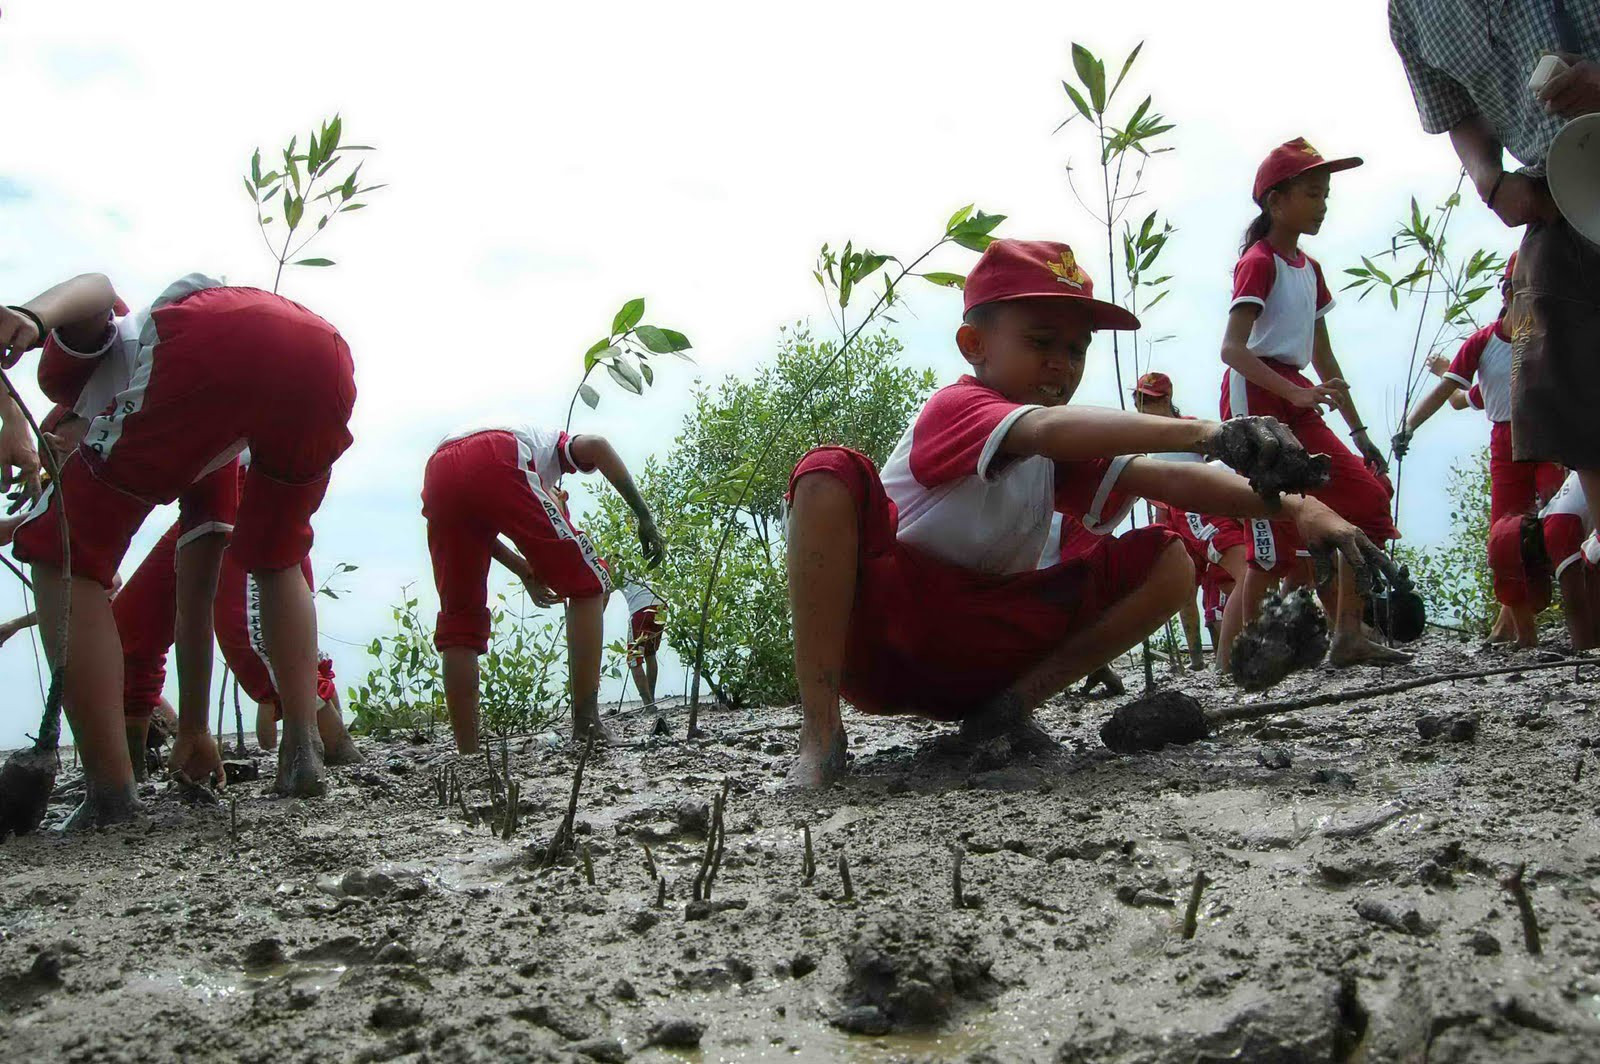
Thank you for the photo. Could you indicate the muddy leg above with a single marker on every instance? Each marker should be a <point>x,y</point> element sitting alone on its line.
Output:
<point>338,746</point>
<point>1116,631</point>
<point>585,640</point>
<point>1243,607</point>
<point>823,547</point>
<point>1350,645</point>
<point>137,731</point>
<point>461,695</point>
<point>289,630</point>
<point>267,725</point>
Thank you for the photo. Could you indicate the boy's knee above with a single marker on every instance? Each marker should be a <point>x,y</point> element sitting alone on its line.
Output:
<point>1174,571</point>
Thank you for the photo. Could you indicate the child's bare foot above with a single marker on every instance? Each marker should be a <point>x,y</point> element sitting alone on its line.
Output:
<point>301,772</point>
<point>1005,717</point>
<point>338,747</point>
<point>1357,649</point>
<point>583,726</point>
<point>102,806</point>
<point>821,761</point>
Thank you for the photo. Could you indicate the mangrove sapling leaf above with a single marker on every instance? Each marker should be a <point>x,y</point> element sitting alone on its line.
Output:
<point>590,397</point>
<point>947,280</point>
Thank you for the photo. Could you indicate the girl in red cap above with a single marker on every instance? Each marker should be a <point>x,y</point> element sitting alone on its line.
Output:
<point>1275,330</point>
<point>919,592</point>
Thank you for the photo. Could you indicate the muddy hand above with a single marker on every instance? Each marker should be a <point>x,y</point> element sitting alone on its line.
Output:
<point>1371,567</point>
<point>195,760</point>
<point>1266,453</point>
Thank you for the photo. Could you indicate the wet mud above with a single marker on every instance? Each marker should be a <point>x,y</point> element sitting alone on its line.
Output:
<point>1355,905</point>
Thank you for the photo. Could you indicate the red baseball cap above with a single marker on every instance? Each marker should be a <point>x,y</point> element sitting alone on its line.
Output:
<point>1155,385</point>
<point>1290,160</point>
<point>1038,269</point>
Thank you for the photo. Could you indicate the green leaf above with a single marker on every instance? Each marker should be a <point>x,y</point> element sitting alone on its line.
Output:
<point>946,280</point>
<point>312,262</point>
<point>294,209</point>
<point>958,217</point>
<point>1079,102</point>
<point>251,189</point>
<point>590,397</point>
<point>624,374</point>
<point>677,343</point>
<point>649,374</point>
<point>600,352</point>
<point>1092,72</point>
<point>653,339</point>
<point>631,314</point>
<point>1127,65</point>
<point>255,168</point>
<point>973,234</point>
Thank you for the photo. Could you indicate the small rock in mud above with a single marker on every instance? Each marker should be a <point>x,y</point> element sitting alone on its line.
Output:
<point>1155,721</point>
<point>262,953</point>
<point>605,1050</point>
<point>1483,943</point>
<point>862,1019</point>
<point>1457,727</point>
<point>623,990</point>
<point>241,771</point>
<point>393,1012</point>
<point>802,965</point>
<point>1141,898</point>
<point>394,953</point>
<point>1276,758</point>
<point>675,1034</point>
<point>559,1020</point>
<point>916,975</point>
<point>1392,914</point>
<point>701,910</point>
<point>1291,634</point>
<point>693,816</point>
<point>642,920</point>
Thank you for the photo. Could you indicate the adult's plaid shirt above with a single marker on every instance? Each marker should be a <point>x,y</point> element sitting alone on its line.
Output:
<point>1466,57</point>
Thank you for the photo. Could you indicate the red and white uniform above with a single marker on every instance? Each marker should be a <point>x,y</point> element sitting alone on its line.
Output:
<point>177,391</point>
<point>950,606</point>
<point>1568,528</point>
<point>1482,367</point>
<point>488,482</point>
<point>1293,296</point>
<point>146,615</point>
<point>644,621</point>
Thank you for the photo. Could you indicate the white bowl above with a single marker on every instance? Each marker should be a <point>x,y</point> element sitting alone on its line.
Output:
<point>1573,170</point>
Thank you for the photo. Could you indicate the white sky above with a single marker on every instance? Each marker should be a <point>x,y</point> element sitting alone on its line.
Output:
<point>547,164</point>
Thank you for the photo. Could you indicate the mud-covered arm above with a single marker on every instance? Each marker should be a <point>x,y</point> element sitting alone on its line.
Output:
<point>596,452</point>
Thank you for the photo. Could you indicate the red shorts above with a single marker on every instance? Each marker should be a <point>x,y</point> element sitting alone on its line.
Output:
<point>146,616</point>
<point>480,487</point>
<point>939,641</point>
<point>1517,487</point>
<point>231,366</point>
<point>1353,492</point>
<point>1216,584</point>
<point>646,635</point>
<point>1563,539</point>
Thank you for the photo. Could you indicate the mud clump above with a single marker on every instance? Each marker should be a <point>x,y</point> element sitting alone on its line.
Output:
<point>1154,721</point>
<point>1290,635</point>
<point>1457,727</point>
<point>902,976</point>
<point>26,780</point>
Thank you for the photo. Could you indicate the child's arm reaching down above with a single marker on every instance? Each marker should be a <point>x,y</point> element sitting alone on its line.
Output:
<point>594,452</point>
<point>522,569</point>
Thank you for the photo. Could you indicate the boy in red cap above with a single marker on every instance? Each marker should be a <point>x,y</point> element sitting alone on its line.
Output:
<point>919,592</point>
<point>644,637</point>
<point>1527,551</point>
<point>1275,330</point>
<point>174,392</point>
<point>483,483</point>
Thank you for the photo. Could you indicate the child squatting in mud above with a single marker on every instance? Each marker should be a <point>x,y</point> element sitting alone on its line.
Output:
<point>918,592</point>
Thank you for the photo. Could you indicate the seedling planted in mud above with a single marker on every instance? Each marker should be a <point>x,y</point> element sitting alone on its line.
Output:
<point>588,865</point>
<point>1192,913</point>
<point>844,878</point>
<point>233,818</point>
<point>958,854</point>
<point>711,860</point>
<point>661,892</point>
<point>562,842</point>
<point>649,862</point>
<point>808,863</point>
<point>1530,922</point>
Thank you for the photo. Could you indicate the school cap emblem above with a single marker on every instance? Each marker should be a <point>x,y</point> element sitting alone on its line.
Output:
<point>1307,149</point>
<point>1068,271</point>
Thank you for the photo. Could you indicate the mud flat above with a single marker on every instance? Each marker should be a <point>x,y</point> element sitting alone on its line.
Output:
<point>1354,908</point>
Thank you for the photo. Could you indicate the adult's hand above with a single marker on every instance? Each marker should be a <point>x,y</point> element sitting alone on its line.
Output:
<point>1520,200</point>
<point>1575,91</point>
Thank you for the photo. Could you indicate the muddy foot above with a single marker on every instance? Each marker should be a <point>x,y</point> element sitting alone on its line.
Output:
<point>339,748</point>
<point>1358,650</point>
<point>820,763</point>
<point>1004,718</point>
<point>603,736</point>
<point>102,807</point>
<point>301,770</point>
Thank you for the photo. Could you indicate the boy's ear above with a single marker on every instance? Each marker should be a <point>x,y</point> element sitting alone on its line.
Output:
<point>969,339</point>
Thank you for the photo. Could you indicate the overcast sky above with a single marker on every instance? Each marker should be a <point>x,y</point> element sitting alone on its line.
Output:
<point>547,163</point>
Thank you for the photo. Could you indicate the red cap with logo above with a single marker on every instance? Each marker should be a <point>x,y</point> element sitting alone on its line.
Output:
<point>1290,160</point>
<point>1038,269</point>
<point>1155,385</point>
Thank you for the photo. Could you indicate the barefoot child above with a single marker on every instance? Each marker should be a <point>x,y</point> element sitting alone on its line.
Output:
<point>644,631</point>
<point>483,483</point>
<point>919,592</point>
<point>174,392</point>
<point>1276,329</point>
<point>1527,551</point>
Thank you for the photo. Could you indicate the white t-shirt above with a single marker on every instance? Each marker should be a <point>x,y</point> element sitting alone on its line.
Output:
<point>547,451</point>
<point>1485,355</point>
<point>965,503</point>
<point>639,597</point>
<point>1292,296</point>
